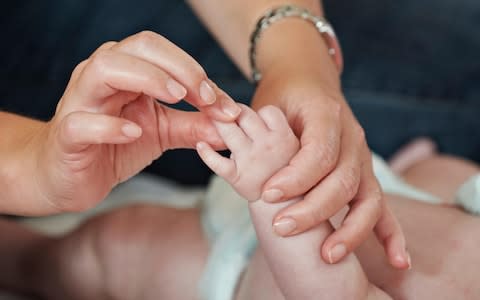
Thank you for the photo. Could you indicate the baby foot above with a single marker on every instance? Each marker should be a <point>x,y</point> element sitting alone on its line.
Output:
<point>261,144</point>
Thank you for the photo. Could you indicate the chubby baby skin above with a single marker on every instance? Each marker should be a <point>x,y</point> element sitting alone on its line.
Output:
<point>261,144</point>
<point>147,252</point>
<point>152,252</point>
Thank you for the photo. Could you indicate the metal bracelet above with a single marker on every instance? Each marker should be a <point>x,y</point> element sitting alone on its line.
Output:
<point>286,11</point>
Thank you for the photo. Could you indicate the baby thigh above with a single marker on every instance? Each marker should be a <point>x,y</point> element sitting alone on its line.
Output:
<point>151,252</point>
<point>444,243</point>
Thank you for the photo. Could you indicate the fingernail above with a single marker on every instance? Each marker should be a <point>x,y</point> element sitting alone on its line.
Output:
<point>231,109</point>
<point>272,195</point>
<point>207,93</point>
<point>336,253</point>
<point>176,89</point>
<point>131,130</point>
<point>285,226</point>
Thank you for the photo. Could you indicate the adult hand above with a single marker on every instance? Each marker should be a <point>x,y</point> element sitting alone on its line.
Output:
<point>333,168</point>
<point>108,125</point>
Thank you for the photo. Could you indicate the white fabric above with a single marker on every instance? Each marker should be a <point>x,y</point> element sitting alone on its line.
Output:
<point>468,196</point>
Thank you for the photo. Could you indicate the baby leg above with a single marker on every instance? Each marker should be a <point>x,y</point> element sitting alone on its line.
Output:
<point>136,252</point>
<point>441,175</point>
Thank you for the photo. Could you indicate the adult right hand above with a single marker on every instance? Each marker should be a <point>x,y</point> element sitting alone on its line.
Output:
<point>108,125</point>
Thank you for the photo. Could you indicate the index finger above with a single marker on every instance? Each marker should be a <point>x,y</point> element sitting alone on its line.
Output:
<point>202,93</point>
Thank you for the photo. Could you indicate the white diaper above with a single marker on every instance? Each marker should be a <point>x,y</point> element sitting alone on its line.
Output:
<point>468,196</point>
<point>226,221</point>
<point>391,183</point>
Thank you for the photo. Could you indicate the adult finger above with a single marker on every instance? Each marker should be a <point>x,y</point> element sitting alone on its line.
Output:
<point>390,234</point>
<point>318,155</point>
<point>108,72</point>
<point>78,130</point>
<point>182,129</point>
<point>365,212</point>
<point>201,92</point>
<point>79,68</point>
<point>327,198</point>
<point>78,71</point>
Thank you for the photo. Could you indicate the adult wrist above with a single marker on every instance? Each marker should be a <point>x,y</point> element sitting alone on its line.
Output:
<point>295,47</point>
<point>19,167</point>
<point>296,37</point>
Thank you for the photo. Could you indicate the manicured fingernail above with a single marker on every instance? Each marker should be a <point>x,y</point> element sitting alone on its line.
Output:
<point>207,93</point>
<point>231,109</point>
<point>176,89</point>
<point>131,130</point>
<point>272,195</point>
<point>285,226</point>
<point>337,253</point>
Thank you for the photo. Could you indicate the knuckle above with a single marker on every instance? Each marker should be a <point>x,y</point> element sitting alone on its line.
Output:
<point>349,182</point>
<point>336,109</point>
<point>359,132</point>
<point>197,73</point>
<point>79,68</point>
<point>99,62</point>
<point>145,37</point>
<point>327,154</point>
<point>316,214</point>
<point>69,126</point>
<point>376,198</point>
<point>107,45</point>
<point>313,217</point>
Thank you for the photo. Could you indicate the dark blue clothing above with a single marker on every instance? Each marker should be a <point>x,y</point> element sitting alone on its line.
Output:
<point>412,67</point>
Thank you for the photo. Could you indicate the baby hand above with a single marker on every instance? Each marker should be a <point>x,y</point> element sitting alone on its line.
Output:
<point>261,144</point>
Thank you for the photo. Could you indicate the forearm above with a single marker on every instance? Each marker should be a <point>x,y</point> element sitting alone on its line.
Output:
<point>16,161</point>
<point>290,44</point>
<point>296,264</point>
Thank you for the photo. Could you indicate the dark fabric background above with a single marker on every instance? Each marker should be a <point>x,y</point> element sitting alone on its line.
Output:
<point>412,67</point>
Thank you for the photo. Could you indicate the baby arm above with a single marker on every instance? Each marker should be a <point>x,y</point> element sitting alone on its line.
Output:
<point>261,144</point>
